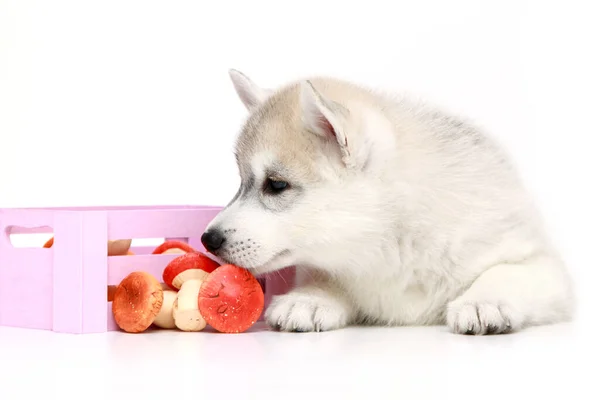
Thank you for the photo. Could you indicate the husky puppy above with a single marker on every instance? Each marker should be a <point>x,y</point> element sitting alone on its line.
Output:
<point>399,213</point>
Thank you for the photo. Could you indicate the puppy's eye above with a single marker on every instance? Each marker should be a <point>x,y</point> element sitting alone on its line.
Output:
<point>275,187</point>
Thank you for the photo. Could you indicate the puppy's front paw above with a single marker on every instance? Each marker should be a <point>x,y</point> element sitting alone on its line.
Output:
<point>306,312</point>
<point>482,318</point>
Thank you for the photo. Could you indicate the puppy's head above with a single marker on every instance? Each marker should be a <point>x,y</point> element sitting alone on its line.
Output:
<point>303,158</point>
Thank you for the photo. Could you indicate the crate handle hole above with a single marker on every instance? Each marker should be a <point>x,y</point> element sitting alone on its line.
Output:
<point>21,237</point>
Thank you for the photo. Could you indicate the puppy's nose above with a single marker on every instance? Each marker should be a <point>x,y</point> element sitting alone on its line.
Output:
<point>212,240</point>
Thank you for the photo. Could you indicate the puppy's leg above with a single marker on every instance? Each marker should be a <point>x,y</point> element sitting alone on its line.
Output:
<point>509,297</point>
<point>310,308</point>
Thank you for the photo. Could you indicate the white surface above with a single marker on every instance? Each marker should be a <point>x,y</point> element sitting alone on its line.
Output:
<point>100,102</point>
<point>370,363</point>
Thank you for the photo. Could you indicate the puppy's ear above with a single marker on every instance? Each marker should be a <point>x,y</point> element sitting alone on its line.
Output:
<point>325,118</point>
<point>250,94</point>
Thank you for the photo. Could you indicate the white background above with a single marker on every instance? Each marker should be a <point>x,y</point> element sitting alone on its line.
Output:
<point>129,102</point>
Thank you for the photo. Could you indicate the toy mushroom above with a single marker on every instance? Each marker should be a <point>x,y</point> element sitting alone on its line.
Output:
<point>231,299</point>
<point>110,292</point>
<point>164,319</point>
<point>186,315</point>
<point>137,302</point>
<point>173,247</point>
<point>119,247</point>
<point>186,267</point>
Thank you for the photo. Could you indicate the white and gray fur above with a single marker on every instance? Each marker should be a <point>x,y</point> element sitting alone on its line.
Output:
<point>398,213</point>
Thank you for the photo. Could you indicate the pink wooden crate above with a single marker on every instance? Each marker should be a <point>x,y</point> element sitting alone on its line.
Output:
<point>64,288</point>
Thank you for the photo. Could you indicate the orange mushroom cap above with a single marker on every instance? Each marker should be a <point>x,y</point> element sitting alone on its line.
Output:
<point>137,301</point>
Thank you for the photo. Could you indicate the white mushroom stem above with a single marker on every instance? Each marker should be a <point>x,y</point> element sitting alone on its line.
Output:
<point>185,308</point>
<point>174,251</point>
<point>188,275</point>
<point>164,319</point>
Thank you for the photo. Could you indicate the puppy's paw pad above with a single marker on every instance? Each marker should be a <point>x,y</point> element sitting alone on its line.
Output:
<point>481,318</point>
<point>304,313</point>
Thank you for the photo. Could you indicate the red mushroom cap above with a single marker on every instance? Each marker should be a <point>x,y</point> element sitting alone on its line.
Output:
<point>188,266</point>
<point>231,299</point>
<point>173,244</point>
